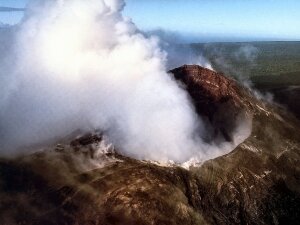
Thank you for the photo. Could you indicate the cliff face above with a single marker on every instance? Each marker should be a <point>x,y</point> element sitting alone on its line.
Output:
<point>208,88</point>
<point>257,183</point>
<point>216,97</point>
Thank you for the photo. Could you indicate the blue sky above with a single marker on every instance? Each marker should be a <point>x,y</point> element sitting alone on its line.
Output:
<point>11,17</point>
<point>208,19</point>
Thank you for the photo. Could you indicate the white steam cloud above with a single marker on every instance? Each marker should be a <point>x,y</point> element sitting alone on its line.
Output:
<point>178,52</point>
<point>74,64</point>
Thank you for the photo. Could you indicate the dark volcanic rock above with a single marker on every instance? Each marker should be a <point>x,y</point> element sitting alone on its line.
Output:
<point>219,98</point>
<point>208,88</point>
<point>86,139</point>
<point>257,183</point>
<point>288,96</point>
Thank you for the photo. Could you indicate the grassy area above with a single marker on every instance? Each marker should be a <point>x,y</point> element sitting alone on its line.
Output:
<point>258,60</point>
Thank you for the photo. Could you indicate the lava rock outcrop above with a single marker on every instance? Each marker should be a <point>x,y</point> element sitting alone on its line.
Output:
<point>220,99</point>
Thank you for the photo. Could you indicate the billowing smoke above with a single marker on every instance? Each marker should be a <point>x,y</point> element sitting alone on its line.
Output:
<point>74,64</point>
<point>178,51</point>
<point>236,60</point>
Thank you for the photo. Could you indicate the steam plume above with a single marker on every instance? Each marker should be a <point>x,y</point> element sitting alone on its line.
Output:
<point>80,64</point>
<point>178,52</point>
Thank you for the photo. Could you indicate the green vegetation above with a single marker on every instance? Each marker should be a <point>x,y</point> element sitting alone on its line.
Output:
<point>265,62</point>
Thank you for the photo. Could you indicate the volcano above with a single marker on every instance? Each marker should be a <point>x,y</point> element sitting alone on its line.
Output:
<point>257,183</point>
<point>216,97</point>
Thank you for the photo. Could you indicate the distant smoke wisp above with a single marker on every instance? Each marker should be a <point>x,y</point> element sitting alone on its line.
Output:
<point>178,52</point>
<point>81,64</point>
<point>233,60</point>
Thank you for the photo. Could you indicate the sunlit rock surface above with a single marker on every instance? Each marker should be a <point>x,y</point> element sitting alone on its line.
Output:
<point>88,182</point>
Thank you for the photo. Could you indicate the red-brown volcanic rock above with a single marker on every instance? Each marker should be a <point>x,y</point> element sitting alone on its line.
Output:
<point>215,96</point>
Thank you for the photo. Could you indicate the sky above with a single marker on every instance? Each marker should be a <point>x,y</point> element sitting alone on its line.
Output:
<point>206,20</point>
<point>6,15</point>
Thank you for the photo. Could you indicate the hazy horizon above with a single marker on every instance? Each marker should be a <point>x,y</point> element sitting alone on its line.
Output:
<point>202,21</point>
